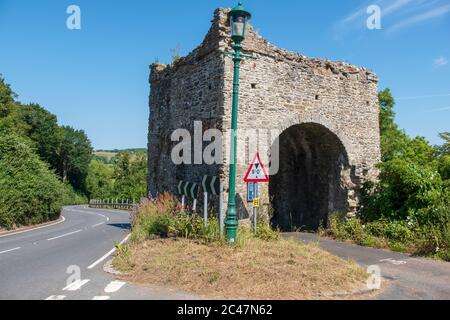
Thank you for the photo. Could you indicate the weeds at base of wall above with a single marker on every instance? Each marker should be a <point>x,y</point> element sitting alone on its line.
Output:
<point>399,236</point>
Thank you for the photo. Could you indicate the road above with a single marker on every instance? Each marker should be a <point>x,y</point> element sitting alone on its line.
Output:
<point>65,261</point>
<point>408,277</point>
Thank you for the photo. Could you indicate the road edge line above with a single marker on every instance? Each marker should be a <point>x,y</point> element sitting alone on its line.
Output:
<point>13,233</point>
<point>103,258</point>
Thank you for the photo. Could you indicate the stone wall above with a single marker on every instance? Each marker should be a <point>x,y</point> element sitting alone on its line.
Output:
<point>279,90</point>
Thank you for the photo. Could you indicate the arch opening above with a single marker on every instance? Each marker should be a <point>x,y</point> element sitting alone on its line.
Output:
<point>310,183</point>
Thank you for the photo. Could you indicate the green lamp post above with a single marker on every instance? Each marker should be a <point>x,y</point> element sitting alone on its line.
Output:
<point>238,20</point>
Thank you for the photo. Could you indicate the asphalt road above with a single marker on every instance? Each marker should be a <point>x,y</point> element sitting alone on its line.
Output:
<point>65,261</point>
<point>408,278</point>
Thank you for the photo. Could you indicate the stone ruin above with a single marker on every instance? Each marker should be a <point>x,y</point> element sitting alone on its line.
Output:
<point>321,118</point>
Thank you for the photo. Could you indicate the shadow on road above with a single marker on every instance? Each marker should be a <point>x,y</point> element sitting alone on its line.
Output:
<point>124,226</point>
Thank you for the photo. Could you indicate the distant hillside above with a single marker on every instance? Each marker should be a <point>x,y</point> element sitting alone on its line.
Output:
<point>135,150</point>
<point>107,156</point>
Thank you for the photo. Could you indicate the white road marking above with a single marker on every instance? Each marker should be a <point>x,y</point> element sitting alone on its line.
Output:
<point>64,235</point>
<point>32,229</point>
<point>56,298</point>
<point>107,254</point>
<point>98,225</point>
<point>9,250</point>
<point>76,285</point>
<point>91,213</point>
<point>101,298</point>
<point>114,286</point>
<point>394,262</point>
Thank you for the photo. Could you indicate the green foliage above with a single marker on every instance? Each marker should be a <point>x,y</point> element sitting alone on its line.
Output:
<point>444,167</point>
<point>130,175</point>
<point>387,114</point>
<point>74,157</point>
<point>71,197</point>
<point>445,148</point>
<point>405,187</point>
<point>30,192</point>
<point>266,233</point>
<point>401,236</point>
<point>32,142</point>
<point>7,96</point>
<point>41,127</point>
<point>99,182</point>
<point>68,152</point>
<point>164,217</point>
<point>409,208</point>
<point>410,172</point>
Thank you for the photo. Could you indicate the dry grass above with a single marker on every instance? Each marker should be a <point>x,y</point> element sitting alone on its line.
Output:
<point>256,270</point>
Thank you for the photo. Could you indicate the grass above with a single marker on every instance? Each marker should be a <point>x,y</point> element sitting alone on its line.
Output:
<point>397,236</point>
<point>258,270</point>
<point>171,249</point>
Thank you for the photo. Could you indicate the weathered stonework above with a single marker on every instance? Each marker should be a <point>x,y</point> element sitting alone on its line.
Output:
<point>326,114</point>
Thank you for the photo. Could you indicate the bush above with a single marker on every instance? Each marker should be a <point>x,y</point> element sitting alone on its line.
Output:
<point>266,233</point>
<point>401,236</point>
<point>29,192</point>
<point>393,230</point>
<point>71,197</point>
<point>405,187</point>
<point>163,217</point>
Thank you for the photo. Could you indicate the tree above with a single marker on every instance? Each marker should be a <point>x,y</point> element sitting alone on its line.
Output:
<point>42,128</point>
<point>444,149</point>
<point>99,182</point>
<point>409,179</point>
<point>74,156</point>
<point>387,113</point>
<point>7,96</point>
<point>8,108</point>
<point>443,152</point>
<point>130,175</point>
<point>395,143</point>
<point>30,192</point>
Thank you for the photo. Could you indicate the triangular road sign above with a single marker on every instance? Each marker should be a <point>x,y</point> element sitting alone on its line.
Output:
<point>256,172</point>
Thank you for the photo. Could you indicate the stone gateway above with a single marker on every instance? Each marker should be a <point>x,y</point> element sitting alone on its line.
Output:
<point>320,120</point>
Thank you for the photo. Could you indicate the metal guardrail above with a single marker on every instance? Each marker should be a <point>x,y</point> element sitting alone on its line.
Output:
<point>118,204</point>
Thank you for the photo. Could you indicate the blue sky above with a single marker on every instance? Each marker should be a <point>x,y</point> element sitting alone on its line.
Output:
<point>96,78</point>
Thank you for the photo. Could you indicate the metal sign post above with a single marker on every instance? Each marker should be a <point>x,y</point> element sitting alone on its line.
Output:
<point>255,174</point>
<point>190,190</point>
<point>256,204</point>
<point>212,185</point>
<point>221,212</point>
<point>205,207</point>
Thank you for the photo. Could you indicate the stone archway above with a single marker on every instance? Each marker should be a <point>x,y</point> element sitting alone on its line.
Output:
<point>310,181</point>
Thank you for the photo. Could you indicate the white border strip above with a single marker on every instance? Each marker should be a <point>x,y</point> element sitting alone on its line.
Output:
<point>64,235</point>
<point>92,266</point>
<point>10,250</point>
<point>35,228</point>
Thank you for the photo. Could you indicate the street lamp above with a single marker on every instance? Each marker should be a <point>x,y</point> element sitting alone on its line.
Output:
<point>238,22</point>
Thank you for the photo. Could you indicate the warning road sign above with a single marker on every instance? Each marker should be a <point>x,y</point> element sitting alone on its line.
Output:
<point>256,172</point>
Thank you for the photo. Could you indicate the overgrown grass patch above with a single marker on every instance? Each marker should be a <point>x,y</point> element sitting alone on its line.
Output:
<point>257,270</point>
<point>173,249</point>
